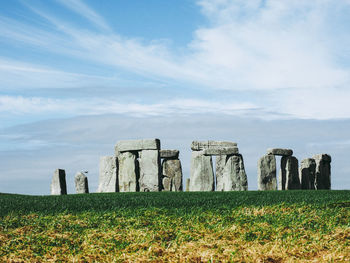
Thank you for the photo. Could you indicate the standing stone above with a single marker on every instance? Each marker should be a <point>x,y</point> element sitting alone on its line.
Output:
<point>202,175</point>
<point>172,175</point>
<point>289,174</point>
<point>232,176</point>
<point>108,180</point>
<point>307,173</point>
<point>150,172</point>
<point>219,171</point>
<point>128,172</point>
<point>323,171</point>
<point>188,184</point>
<point>58,183</point>
<point>267,173</point>
<point>81,183</point>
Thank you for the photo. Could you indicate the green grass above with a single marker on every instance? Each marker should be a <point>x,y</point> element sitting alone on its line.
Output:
<point>276,226</point>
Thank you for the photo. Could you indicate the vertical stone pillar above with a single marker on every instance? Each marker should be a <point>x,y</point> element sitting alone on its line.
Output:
<point>150,172</point>
<point>81,183</point>
<point>172,175</point>
<point>289,173</point>
<point>307,173</point>
<point>188,184</point>
<point>201,173</point>
<point>108,179</point>
<point>58,183</point>
<point>267,173</point>
<point>323,171</point>
<point>230,173</point>
<point>128,172</point>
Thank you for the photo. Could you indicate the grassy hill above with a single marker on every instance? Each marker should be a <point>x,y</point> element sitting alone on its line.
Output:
<point>269,226</point>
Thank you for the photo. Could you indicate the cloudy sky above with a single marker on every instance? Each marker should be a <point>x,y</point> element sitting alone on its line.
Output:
<point>77,76</point>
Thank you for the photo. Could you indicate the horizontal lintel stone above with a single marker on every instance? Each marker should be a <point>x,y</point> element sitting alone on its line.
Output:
<point>202,145</point>
<point>137,145</point>
<point>280,151</point>
<point>169,153</point>
<point>221,151</point>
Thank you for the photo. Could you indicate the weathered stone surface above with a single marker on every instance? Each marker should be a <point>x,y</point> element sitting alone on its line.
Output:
<point>289,173</point>
<point>81,183</point>
<point>323,171</point>
<point>201,173</point>
<point>137,145</point>
<point>221,151</point>
<point>188,184</point>
<point>58,183</point>
<point>201,145</point>
<point>174,154</point>
<point>150,171</point>
<point>219,171</point>
<point>307,173</point>
<point>232,176</point>
<point>108,179</point>
<point>172,175</point>
<point>280,151</point>
<point>267,173</point>
<point>128,172</point>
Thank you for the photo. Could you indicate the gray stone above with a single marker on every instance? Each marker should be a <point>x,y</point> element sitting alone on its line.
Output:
<point>289,173</point>
<point>307,173</point>
<point>280,151</point>
<point>81,183</point>
<point>232,176</point>
<point>219,171</point>
<point>188,184</point>
<point>174,154</point>
<point>323,171</point>
<point>137,145</point>
<point>150,172</point>
<point>127,172</point>
<point>201,173</point>
<point>267,173</point>
<point>172,175</point>
<point>221,151</point>
<point>58,183</point>
<point>108,179</point>
<point>201,145</point>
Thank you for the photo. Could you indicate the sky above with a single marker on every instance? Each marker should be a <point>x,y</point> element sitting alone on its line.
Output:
<point>76,76</point>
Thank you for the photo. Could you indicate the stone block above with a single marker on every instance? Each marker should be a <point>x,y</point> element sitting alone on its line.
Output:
<point>172,175</point>
<point>307,174</point>
<point>128,172</point>
<point>150,171</point>
<point>289,173</point>
<point>323,171</point>
<point>108,179</point>
<point>201,145</point>
<point>188,184</point>
<point>173,154</point>
<point>221,151</point>
<point>267,173</point>
<point>81,183</point>
<point>137,145</point>
<point>58,183</point>
<point>280,151</point>
<point>201,172</point>
<point>232,176</point>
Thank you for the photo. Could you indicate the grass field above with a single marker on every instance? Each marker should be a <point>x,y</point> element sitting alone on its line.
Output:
<point>279,226</point>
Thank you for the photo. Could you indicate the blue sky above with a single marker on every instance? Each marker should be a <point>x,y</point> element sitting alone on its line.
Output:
<point>187,63</point>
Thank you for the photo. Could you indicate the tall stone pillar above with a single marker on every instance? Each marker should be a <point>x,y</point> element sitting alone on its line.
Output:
<point>201,173</point>
<point>323,171</point>
<point>230,173</point>
<point>108,179</point>
<point>58,183</point>
<point>307,174</point>
<point>150,172</point>
<point>128,172</point>
<point>81,183</point>
<point>171,171</point>
<point>289,173</point>
<point>267,173</point>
